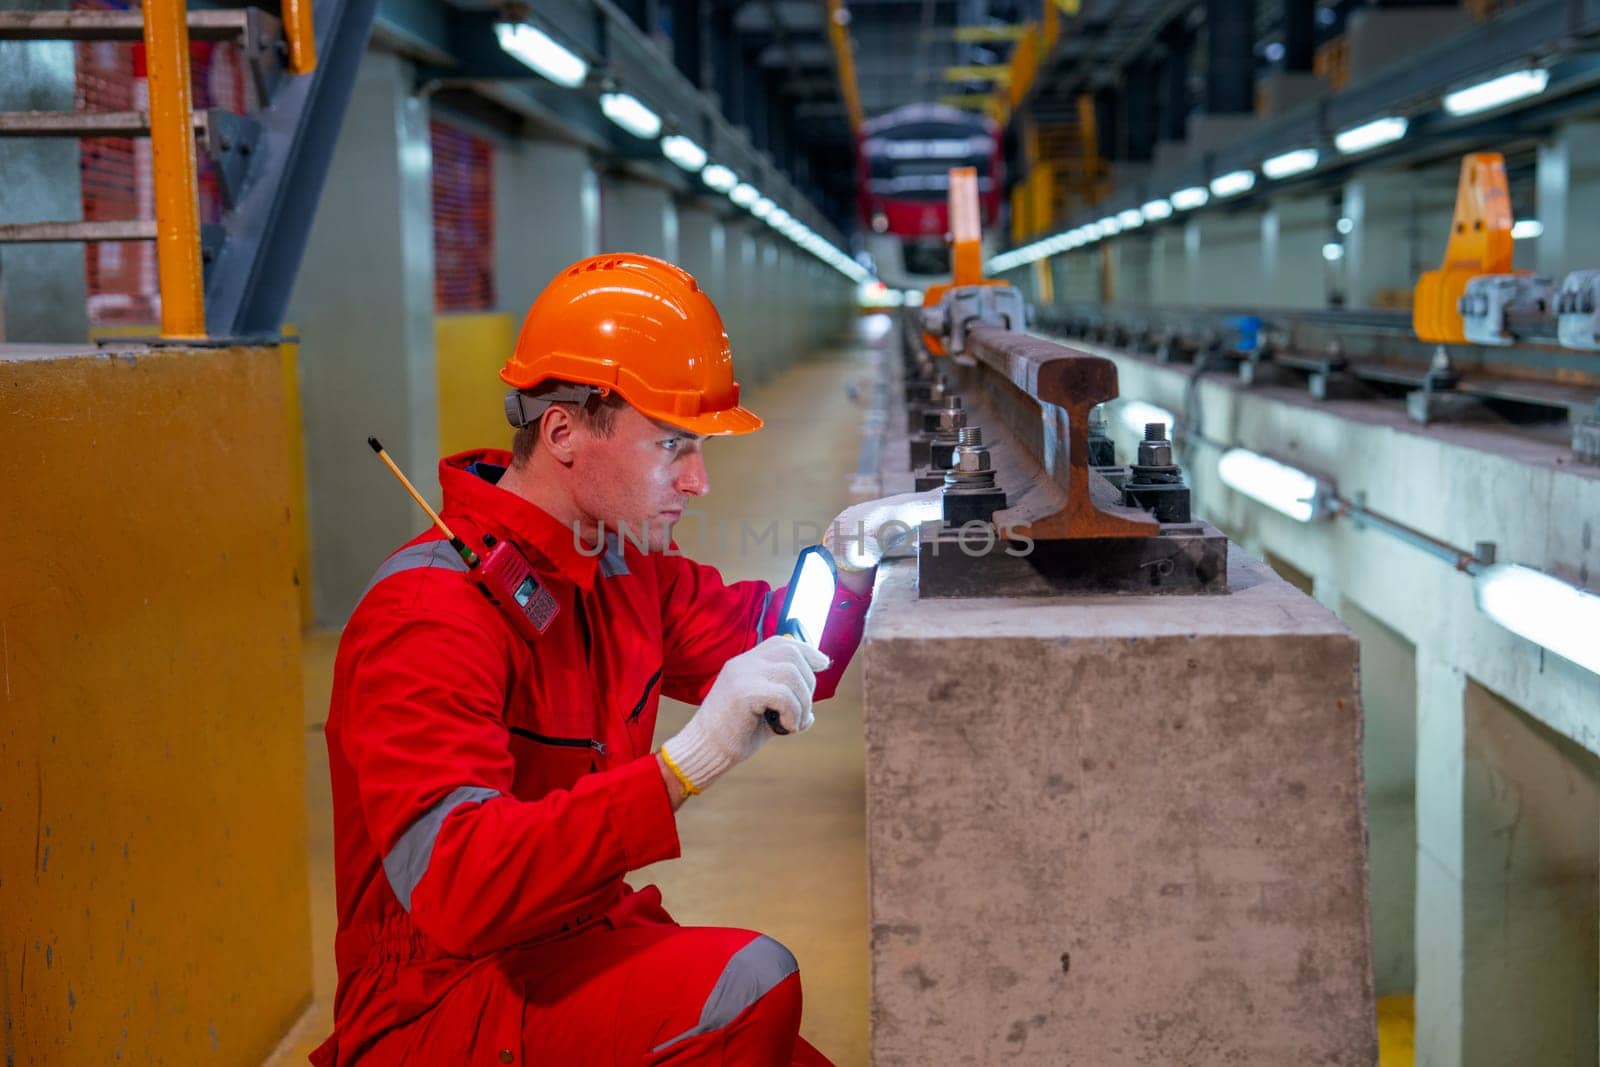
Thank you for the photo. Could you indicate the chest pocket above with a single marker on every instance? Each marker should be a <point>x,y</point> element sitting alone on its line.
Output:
<point>547,762</point>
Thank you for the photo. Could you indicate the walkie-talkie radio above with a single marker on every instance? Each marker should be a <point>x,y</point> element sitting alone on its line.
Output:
<point>502,573</point>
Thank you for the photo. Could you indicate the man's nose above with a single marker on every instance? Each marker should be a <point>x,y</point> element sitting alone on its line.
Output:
<point>694,481</point>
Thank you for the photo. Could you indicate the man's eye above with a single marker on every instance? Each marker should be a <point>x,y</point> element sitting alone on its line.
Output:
<point>671,444</point>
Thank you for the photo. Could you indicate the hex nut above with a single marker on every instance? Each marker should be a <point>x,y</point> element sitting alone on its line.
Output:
<point>972,459</point>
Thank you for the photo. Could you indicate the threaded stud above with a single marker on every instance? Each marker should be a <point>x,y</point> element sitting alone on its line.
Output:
<point>969,435</point>
<point>1155,431</point>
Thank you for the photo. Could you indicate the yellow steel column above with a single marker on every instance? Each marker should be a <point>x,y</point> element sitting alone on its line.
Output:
<point>166,45</point>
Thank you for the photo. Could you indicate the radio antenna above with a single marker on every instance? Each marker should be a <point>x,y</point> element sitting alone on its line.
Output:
<point>468,557</point>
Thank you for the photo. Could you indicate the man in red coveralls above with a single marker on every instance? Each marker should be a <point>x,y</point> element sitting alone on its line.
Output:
<point>490,792</point>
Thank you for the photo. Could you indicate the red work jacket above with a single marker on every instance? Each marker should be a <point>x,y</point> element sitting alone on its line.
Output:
<point>491,792</point>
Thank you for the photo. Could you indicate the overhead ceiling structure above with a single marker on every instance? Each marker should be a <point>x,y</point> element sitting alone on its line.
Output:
<point>753,82</point>
<point>931,51</point>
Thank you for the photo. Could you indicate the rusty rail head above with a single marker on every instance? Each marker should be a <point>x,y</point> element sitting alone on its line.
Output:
<point>1075,382</point>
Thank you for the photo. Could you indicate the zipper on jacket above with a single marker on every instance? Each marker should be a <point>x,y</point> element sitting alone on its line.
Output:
<point>644,697</point>
<point>560,742</point>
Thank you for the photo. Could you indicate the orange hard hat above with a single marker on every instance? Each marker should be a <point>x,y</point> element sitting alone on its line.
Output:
<point>642,327</point>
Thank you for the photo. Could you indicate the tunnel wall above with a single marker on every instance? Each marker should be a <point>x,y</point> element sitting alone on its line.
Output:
<point>152,768</point>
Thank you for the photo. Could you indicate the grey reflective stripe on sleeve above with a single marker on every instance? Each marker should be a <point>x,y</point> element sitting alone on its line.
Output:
<point>613,563</point>
<point>407,862</point>
<point>417,556</point>
<point>750,974</point>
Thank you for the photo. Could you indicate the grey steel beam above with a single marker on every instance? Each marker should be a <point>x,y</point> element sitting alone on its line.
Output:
<point>248,286</point>
<point>1299,35</point>
<point>1175,101</point>
<point>72,232</point>
<point>1230,57</point>
<point>415,28</point>
<point>214,25</point>
<point>80,123</point>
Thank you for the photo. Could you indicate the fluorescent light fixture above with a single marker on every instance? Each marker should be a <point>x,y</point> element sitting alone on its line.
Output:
<point>539,52</point>
<point>684,152</point>
<point>1543,609</point>
<point>719,177</point>
<point>1190,198</point>
<point>1496,92</point>
<point>1135,413</point>
<point>1233,183</point>
<point>1333,251</point>
<point>1289,164</point>
<point>629,112</point>
<point>1130,218</point>
<point>1156,210</point>
<point>1282,488</point>
<point>744,194</point>
<point>1370,134</point>
<point>1345,224</point>
<point>762,208</point>
<point>1526,229</point>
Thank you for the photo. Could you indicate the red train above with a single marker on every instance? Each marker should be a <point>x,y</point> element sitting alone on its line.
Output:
<point>905,159</point>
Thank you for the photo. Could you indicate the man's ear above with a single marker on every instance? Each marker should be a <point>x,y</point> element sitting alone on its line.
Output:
<point>557,430</point>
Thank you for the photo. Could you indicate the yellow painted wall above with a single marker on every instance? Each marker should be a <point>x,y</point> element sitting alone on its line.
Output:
<point>153,892</point>
<point>471,348</point>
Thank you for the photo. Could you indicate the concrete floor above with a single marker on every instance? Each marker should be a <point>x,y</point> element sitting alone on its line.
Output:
<point>779,845</point>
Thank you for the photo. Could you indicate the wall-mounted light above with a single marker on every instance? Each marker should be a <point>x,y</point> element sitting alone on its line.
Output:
<point>1189,198</point>
<point>684,152</point>
<point>1288,164</point>
<point>1109,225</point>
<point>1130,218</point>
<point>541,53</point>
<point>630,113</point>
<point>1543,609</point>
<point>762,208</point>
<point>1370,135</point>
<point>719,178</point>
<point>1345,224</point>
<point>1497,92</point>
<point>1233,183</point>
<point>1333,251</point>
<point>1301,496</point>
<point>744,194</point>
<point>1156,210</point>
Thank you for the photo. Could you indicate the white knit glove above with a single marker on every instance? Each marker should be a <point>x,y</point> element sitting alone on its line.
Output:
<point>730,724</point>
<point>863,533</point>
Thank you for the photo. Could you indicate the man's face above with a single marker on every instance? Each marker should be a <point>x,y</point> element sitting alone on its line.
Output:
<point>638,479</point>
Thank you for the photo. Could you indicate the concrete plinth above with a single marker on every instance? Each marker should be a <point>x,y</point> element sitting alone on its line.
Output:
<point>1116,831</point>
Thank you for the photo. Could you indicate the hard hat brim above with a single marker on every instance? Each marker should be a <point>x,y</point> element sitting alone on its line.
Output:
<point>724,423</point>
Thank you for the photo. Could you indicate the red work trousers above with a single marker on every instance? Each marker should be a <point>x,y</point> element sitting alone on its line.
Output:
<point>657,994</point>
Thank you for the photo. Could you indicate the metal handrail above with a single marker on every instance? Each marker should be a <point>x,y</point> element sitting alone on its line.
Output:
<point>173,167</point>
<point>300,34</point>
